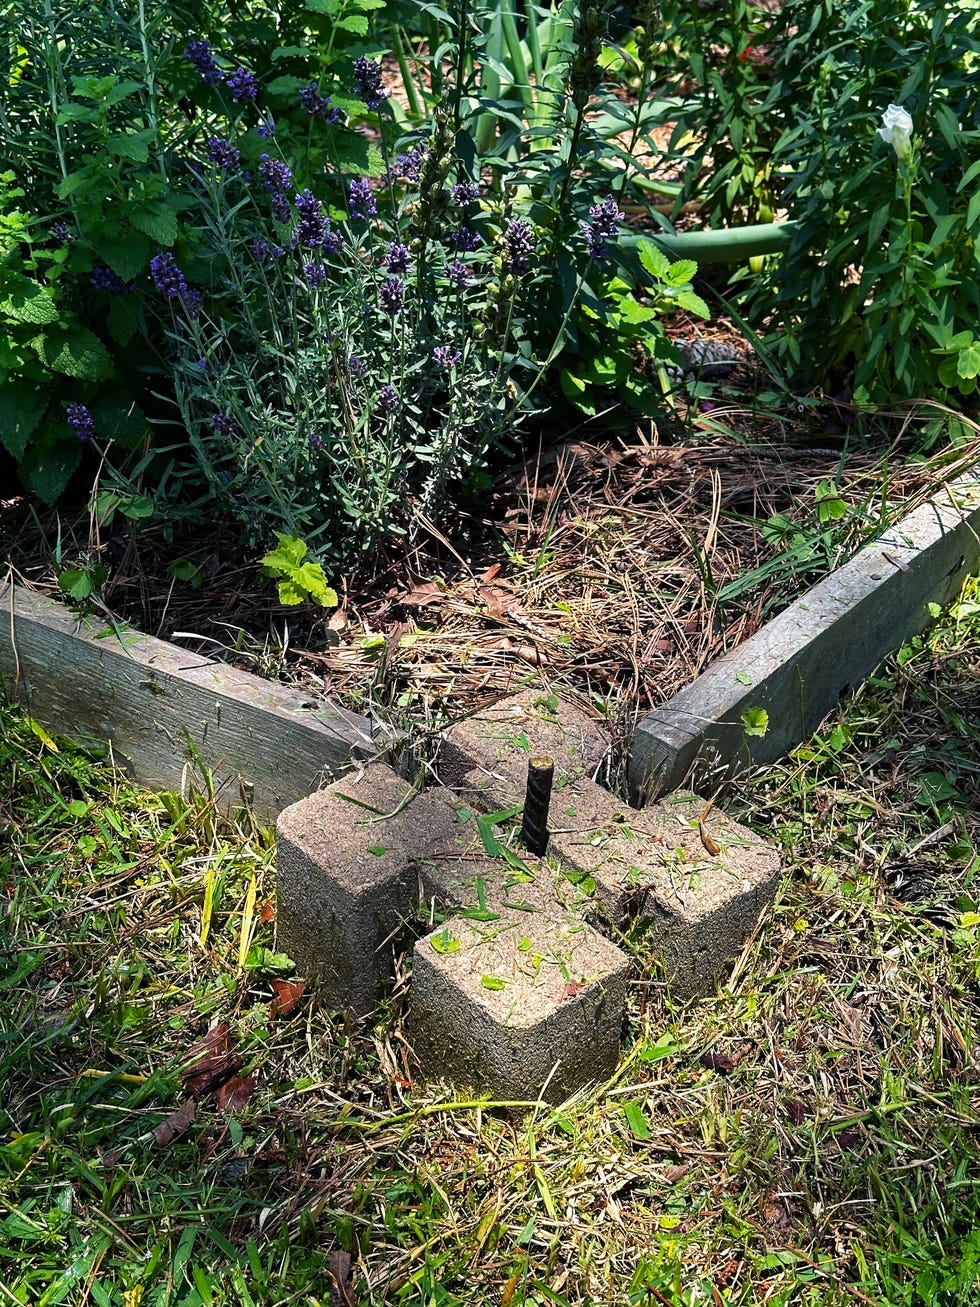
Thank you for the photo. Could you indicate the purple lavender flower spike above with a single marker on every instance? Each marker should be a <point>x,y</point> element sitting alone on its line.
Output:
<point>466,193</point>
<point>408,167</point>
<point>604,219</point>
<point>267,127</point>
<point>520,245</point>
<point>193,302</point>
<point>315,442</point>
<point>167,277</point>
<point>105,279</point>
<point>313,227</point>
<point>356,366</point>
<point>223,153</point>
<point>260,250</point>
<point>317,105</point>
<point>362,203</point>
<point>315,274</point>
<point>391,294</point>
<point>465,240</point>
<point>388,401</point>
<point>459,274</point>
<point>199,53</point>
<point>242,85</point>
<point>367,83</point>
<point>396,258</point>
<point>446,357</point>
<point>62,233</point>
<point>224,425</point>
<point>80,420</point>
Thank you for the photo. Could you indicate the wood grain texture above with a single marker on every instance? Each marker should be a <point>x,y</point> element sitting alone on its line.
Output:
<point>161,708</point>
<point>801,662</point>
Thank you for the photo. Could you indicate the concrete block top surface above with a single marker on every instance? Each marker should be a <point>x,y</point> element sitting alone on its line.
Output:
<point>520,971</point>
<point>693,860</point>
<point>370,825</point>
<point>490,750</point>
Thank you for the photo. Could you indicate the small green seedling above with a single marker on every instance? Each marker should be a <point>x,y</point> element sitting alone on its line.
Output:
<point>296,578</point>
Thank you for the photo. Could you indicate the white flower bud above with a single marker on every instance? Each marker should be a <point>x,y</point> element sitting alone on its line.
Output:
<point>897,130</point>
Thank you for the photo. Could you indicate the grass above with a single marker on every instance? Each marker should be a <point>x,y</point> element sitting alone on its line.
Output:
<point>806,1136</point>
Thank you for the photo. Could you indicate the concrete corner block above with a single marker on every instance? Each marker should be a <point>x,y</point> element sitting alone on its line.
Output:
<point>521,1008</point>
<point>347,876</point>
<point>652,866</point>
<point>485,756</point>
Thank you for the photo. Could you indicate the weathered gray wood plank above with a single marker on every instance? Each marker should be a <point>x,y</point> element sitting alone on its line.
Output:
<point>157,705</point>
<point>801,662</point>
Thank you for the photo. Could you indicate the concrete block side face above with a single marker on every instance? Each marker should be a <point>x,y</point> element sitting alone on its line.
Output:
<point>698,907</point>
<point>487,754</point>
<point>336,933</point>
<point>490,1010</point>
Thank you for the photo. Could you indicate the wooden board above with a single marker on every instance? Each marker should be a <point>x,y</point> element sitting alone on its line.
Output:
<point>800,663</point>
<point>162,708</point>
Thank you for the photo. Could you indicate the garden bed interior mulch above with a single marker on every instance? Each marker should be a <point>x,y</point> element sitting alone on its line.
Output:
<point>597,567</point>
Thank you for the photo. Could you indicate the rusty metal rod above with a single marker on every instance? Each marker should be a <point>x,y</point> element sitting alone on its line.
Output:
<point>537,801</point>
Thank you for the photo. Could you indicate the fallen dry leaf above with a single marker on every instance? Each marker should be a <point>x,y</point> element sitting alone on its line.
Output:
<point>267,912</point>
<point>341,1287</point>
<point>571,989</point>
<point>287,996</point>
<point>235,1093</point>
<point>711,845</point>
<point>175,1124</point>
<point>674,1173</point>
<point>210,1061</point>
<point>717,1062</point>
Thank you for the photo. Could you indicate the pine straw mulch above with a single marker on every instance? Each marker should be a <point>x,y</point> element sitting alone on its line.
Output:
<point>616,568</point>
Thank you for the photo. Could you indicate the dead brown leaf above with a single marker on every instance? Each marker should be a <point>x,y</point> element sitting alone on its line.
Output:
<point>674,1173</point>
<point>267,912</point>
<point>717,1062</point>
<point>341,1286</point>
<point>711,845</point>
<point>176,1123</point>
<point>235,1093</point>
<point>210,1061</point>
<point>287,994</point>
<point>421,595</point>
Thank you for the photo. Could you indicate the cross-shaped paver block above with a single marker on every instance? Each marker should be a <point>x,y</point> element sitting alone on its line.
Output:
<point>525,1008</point>
<point>350,862</point>
<point>697,880</point>
<point>484,757</point>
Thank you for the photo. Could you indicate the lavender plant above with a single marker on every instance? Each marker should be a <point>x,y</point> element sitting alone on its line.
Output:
<point>341,364</point>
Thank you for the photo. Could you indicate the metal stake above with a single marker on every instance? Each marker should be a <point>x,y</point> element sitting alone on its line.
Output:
<point>537,801</point>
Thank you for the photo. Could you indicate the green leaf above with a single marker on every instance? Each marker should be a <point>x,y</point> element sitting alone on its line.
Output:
<point>830,506</point>
<point>681,272</point>
<point>131,145</point>
<point>123,319</point>
<point>288,553</point>
<point>355,23</point>
<point>743,677</point>
<point>755,721</point>
<point>259,958</point>
<point>77,353</point>
<point>691,302</point>
<point>49,462</point>
<point>636,1120</point>
<point>21,409</point>
<point>445,943</point>
<point>159,223</point>
<point>28,302</point>
<point>934,788</point>
<point>286,85</point>
<point>968,360</point>
<point>83,180</point>
<point>80,582</point>
<point>492,982</point>
<point>653,259</point>
<point>126,252</point>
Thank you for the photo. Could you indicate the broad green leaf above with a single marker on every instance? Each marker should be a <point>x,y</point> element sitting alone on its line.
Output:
<point>131,145</point>
<point>355,23</point>
<point>492,982</point>
<point>80,582</point>
<point>968,360</point>
<point>445,943</point>
<point>653,259</point>
<point>692,302</point>
<point>288,553</point>
<point>636,1120</point>
<point>77,353</point>
<point>49,463</point>
<point>158,223</point>
<point>21,409</point>
<point>755,721</point>
<point>26,301</point>
<point>682,272</point>
<point>126,252</point>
